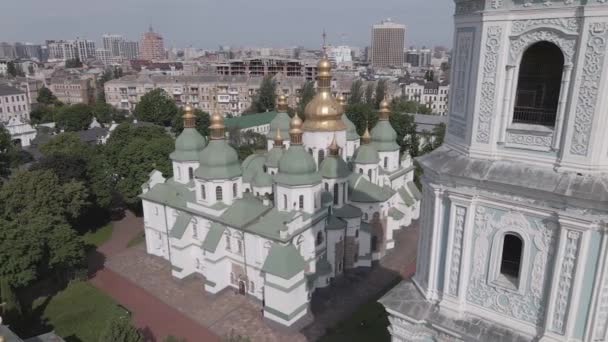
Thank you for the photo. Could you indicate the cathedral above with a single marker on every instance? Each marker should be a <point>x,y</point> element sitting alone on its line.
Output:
<point>514,226</point>
<point>280,224</point>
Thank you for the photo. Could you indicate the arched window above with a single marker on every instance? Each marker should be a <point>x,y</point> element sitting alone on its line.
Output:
<point>190,173</point>
<point>365,217</point>
<point>385,162</point>
<point>203,192</point>
<point>360,170</point>
<point>265,169</point>
<point>336,194</point>
<point>321,155</point>
<point>357,233</point>
<point>301,202</point>
<point>539,85</point>
<point>251,287</point>
<point>510,263</point>
<point>179,172</point>
<point>344,193</point>
<point>319,238</point>
<point>234,190</point>
<point>247,190</point>
<point>227,237</point>
<point>219,195</point>
<point>285,202</point>
<point>374,243</point>
<point>310,151</point>
<point>326,187</point>
<point>369,174</point>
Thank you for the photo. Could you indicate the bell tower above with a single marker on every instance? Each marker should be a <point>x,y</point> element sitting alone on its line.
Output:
<point>513,242</point>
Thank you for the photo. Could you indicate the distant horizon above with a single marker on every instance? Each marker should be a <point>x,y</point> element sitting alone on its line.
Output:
<point>239,24</point>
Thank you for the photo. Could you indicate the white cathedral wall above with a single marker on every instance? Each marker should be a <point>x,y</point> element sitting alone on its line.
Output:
<point>392,160</point>
<point>286,302</point>
<point>311,197</point>
<point>180,171</point>
<point>351,147</point>
<point>321,141</point>
<point>364,170</point>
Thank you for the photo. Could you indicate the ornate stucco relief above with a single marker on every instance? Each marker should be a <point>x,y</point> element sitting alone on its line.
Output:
<point>569,25</point>
<point>529,140</point>
<point>488,85</point>
<point>528,305</point>
<point>567,43</point>
<point>566,277</point>
<point>588,91</point>
<point>457,249</point>
<point>462,69</point>
<point>601,325</point>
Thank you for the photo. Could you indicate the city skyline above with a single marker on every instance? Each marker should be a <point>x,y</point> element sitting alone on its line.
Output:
<point>175,22</point>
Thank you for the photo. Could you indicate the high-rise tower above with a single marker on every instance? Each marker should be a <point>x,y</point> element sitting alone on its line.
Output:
<point>152,46</point>
<point>388,39</point>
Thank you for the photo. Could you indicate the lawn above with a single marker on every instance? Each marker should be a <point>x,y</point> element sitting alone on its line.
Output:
<point>99,236</point>
<point>79,312</point>
<point>140,238</point>
<point>368,323</point>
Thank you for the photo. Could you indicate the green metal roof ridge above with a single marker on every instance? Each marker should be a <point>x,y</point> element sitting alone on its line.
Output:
<point>334,223</point>
<point>283,261</point>
<point>212,240</point>
<point>405,196</point>
<point>180,225</point>
<point>347,211</point>
<point>395,213</point>
<point>250,120</point>
<point>414,190</point>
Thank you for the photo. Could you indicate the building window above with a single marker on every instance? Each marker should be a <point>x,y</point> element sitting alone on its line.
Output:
<point>539,85</point>
<point>251,287</point>
<point>285,202</point>
<point>510,263</point>
<point>239,247</point>
<point>301,202</point>
<point>385,162</point>
<point>190,173</point>
<point>369,174</point>
<point>219,195</point>
<point>336,194</point>
<point>360,170</point>
<point>228,243</point>
<point>194,231</point>
<point>156,210</point>
<point>179,173</point>
<point>374,243</point>
<point>234,190</point>
<point>326,187</point>
<point>357,233</point>
<point>203,192</point>
<point>365,217</point>
<point>321,156</point>
<point>319,238</point>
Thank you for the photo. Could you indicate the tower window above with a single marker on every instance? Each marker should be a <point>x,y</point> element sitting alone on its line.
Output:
<point>203,192</point>
<point>319,238</point>
<point>374,243</point>
<point>369,174</point>
<point>336,194</point>
<point>321,156</point>
<point>301,202</point>
<point>539,85</point>
<point>385,162</point>
<point>219,195</point>
<point>234,190</point>
<point>190,173</point>
<point>511,257</point>
<point>360,171</point>
<point>285,202</point>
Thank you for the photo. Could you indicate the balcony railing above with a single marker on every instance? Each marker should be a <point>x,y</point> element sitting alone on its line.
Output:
<point>535,116</point>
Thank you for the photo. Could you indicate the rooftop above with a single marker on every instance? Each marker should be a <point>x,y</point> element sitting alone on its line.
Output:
<point>250,120</point>
<point>8,90</point>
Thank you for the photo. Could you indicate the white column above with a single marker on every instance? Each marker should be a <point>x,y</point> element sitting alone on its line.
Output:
<point>506,107</point>
<point>561,107</point>
<point>436,243</point>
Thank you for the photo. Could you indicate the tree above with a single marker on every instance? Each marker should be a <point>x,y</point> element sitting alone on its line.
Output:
<point>21,252</point>
<point>356,93</point>
<point>14,69</point>
<point>74,118</point>
<point>265,97</point>
<point>407,137</point>
<point>42,114</point>
<point>369,93</point>
<point>30,70</point>
<point>65,143</point>
<point>202,122</point>
<point>46,97</point>
<point>119,329</point>
<point>380,93</point>
<point>362,115</point>
<point>156,107</point>
<point>403,105</point>
<point>73,63</point>
<point>12,308</point>
<point>308,92</point>
<point>6,148</point>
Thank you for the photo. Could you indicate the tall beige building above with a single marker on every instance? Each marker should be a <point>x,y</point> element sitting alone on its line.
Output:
<point>151,46</point>
<point>388,39</point>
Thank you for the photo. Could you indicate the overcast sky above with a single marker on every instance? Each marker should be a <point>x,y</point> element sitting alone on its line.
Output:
<point>210,23</point>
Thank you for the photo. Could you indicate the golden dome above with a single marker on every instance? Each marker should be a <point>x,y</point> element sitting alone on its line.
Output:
<point>341,100</point>
<point>385,111</point>
<point>295,130</point>
<point>189,119</point>
<point>216,127</point>
<point>278,139</point>
<point>282,103</point>
<point>323,112</point>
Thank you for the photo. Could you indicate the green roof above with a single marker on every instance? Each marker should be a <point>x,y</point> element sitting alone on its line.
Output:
<point>366,154</point>
<point>414,190</point>
<point>395,213</point>
<point>297,167</point>
<point>384,137</point>
<point>170,193</point>
<point>188,145</point>
<point>405,196</point>
<point>281,121</point>
<point>334,223</point>
<point>212,240</point>
<point>334,167</point>
<point>362,190</point>
<point>272,223</point>
<point>252,165</point>
<point>351,129</point>
<point>273,156</point>
<point>181,223</point>
<point>262,179</point>
<point>243,211</point>
<point>347,211</point>
<point>219,161</point>
<point>250,120</point>
<point>283,261</point>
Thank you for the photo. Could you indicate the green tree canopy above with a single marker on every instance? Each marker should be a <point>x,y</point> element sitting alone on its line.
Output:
<point>407,138</point>
<point>202,122</point>
<point>119,329</point>
<point>265,98</point>
<point>380,93</point>
<point>156,107</point>
<point>14,69</point>
<point>73,63</point>
<point>356,93</point>
<point>106,113</point>
<point>172,338</point>
<point>65,143</point>
<point>369,93</point>
<point>403,105</point>
<point>74,118</point>
<point>12,308</point>
<point>46,97</point>
<point>308,92</point>
<point>6,149</point>
<point>42,114</point>
<point>362,115</point>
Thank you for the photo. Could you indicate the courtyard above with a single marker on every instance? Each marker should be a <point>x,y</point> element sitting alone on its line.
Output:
<point>228,312</point>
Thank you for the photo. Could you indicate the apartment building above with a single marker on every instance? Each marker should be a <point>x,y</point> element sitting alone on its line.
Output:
<point>13,103</point>
<point>73,89</point>
<point>388,39</point>
<point>262,66</point>
<point>435,95</point>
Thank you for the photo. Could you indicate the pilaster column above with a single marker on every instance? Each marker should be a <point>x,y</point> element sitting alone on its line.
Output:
<point>436,243</point>
<point>561,107</point>
<point>507,102</point>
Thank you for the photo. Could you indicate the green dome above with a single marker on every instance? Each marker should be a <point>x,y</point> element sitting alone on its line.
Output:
<point>297,167</point>
<point>366,154</point>
<point>252,165</point>
<point>188,145</point>
<point>334,167</point>
<point>281,121</point>
<point>384,137</point>
<point>351,129</point>
<point>218,161</point>
<point>262,179</point>
<point>273,157</point>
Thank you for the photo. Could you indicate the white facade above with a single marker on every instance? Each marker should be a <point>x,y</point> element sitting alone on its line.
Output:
<point>13,103</point>
<point>513,242</point>
<point>22,133</point>
<point>433,95</point>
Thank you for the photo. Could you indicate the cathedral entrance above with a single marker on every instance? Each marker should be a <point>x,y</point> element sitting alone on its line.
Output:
<point>242,287</point>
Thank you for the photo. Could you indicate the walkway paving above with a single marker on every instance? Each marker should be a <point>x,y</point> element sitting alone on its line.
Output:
<point>153,317</point>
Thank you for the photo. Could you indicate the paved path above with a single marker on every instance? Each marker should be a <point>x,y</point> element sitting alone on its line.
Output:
<point>153,317</point>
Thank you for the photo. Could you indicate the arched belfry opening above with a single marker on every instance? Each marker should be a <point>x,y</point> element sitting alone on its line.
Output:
<point>539,85</point>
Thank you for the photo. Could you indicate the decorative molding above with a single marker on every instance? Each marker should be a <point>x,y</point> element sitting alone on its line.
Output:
<point>601,323</point>
<point>496,4</point>
<point>529,140</point>
<point>463,53</point>
<point>588,92</point>
<point>527,305</point>
<point>566,278</point>
<point>565,42</point>
<point>457,249</point>
<point>569,25</point>
<point>488,85</point>
<point>468,6</point>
